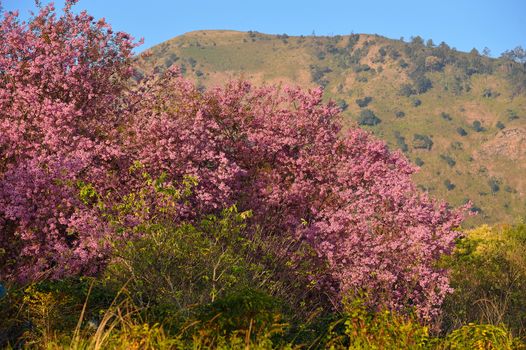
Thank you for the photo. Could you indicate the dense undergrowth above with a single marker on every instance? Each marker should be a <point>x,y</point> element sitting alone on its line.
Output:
<point>165,296</point>
<point>159,215</point>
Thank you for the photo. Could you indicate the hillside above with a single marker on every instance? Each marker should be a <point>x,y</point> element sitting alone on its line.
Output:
<point>461,117</point>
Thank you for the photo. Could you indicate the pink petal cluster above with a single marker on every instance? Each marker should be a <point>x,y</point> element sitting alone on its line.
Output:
<point>61,86</point>
<point>66,116</point>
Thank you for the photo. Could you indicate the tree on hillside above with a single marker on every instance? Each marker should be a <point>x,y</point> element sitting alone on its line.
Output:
<point>517,54</point>
<point>417,41</point>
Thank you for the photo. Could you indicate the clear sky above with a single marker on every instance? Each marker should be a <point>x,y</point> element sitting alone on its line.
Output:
<point>498,25</point>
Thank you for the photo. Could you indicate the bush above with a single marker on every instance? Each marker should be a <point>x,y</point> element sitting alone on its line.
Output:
<point>362,79</point>
<point>446,116</point>
<point>393,53</point>
<point>367,117</point>
<point>500,125</point>
<point>353,40</point>
<point>433,63</point>
<point>364,101</point>
<point>400,142</point>
<point>342,104</point>
<point>318,75</point>
<point>422,84</point>
<point>400,114</point>
<point>419,161</point>
<point>512,115</point>
<point>407,90</point>
<point>36,313</point>
<point>477,126</point>
<point>450,161</point>
<point>359,328</point>
<point>241,309</point>
<point>422,142</point>
<point>170,60</point>
<point>484,336</point>
<point>175,267</point>
<point>362,68</point>
<point>458,146</point>
<point>488,273</point>
<point>461,131</point>
<point>493,185</point>
<point>416,102</point>
<point>449,185</point>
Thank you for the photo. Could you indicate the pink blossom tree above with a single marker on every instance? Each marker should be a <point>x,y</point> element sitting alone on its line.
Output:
<point>61,85</point>
<point>67,118</point>
<point>284,155</point>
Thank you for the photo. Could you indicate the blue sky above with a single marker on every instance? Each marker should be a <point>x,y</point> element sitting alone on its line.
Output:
<point>498,25</point>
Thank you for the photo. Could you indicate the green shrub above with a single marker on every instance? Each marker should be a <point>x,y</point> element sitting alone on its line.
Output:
<point>360,328</point>
<point>481,336</point>
<point>461,131</point>
<point>36,312</point>
<point>400,142</point>
<point>367,117</point>
<point>362,68</point>
<point>342,104</point>
<point>488,274</point>
<point>422,84</point>
<point>400,114</point>
<point>494,185</point>
<point>448,159</point>
<point>407,90</point>
<point>512,115</point>
<point>446,116</point>
<point>458,146</point>
<point>364,101</point>
<point>242,309</point>
<point>173,267</point>
<point>477,126</point>
<point>449,185</point>
<point>318,75</point>
<point>422,142</point>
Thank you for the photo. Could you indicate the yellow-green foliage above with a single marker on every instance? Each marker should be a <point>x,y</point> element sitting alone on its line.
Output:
<point>244,320</point>
<point>360,328</point>
<point>488,272</point>
<point>483,337</point>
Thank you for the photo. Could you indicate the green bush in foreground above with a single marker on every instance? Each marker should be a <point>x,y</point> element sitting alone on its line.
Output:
<point>488,273</point>
<point>55,317</point>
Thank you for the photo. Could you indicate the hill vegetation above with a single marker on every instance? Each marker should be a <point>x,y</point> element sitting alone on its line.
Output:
<point>459,116</point>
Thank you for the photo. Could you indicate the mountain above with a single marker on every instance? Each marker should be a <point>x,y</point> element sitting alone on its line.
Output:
<point>460,116</point>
